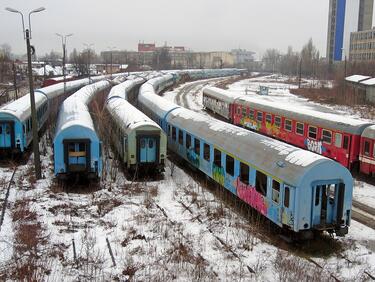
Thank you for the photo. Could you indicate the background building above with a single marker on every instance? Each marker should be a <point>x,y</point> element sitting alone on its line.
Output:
<point>336,23</point>
<point>365,14</point>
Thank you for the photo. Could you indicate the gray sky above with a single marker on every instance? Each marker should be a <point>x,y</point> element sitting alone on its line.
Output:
<point>200,25</point>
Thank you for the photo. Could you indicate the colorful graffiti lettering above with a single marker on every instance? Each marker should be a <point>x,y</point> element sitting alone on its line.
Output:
<point>248,123</point>
<point>192,157</point>
<point>250,195</point>
<point>218,174</point>
<point>287,218</point>
<point>314,146</point>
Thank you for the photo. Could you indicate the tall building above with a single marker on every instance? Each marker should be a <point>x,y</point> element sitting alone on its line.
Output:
<point>336,24</point>
<point>365,14</point>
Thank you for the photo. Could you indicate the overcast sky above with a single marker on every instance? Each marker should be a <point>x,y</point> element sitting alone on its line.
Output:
<point>200,25</point>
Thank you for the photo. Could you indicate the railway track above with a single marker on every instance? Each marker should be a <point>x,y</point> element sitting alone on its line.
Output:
<point>363,214</point>
<point>5,203</point>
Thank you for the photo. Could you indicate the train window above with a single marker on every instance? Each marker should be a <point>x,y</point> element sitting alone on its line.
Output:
<point>173,133</point>
<point>286,196</point>
<point>82,147</point>
<point>288,125</point>
<point>206,152</point>
<point>151,143</point>
<point>244,111</point>
<point>239,110</point>
<point>188,141</point>
<point>338,140</point>
<point>169,130</point>
<point>217,157</point>
<point>268,118</point>
<point>180,137</point>
<point>261,183</point>
<point>251,114</point>
<point>229,165</point>
<point>278,121</point>
<point>7,129</point>
<point>317,195</point>
<point>313,132</point>
<point>72,147</point>
<point>24,128</point>
<point>244,173</point>
<point>366,150</point>
<point>1,130</point>
<point>197,147</point>
<point>300,128</point>
<point>260,116</point>
<point>275,191</point>
<point>346,142</point>
<point>327,136</point>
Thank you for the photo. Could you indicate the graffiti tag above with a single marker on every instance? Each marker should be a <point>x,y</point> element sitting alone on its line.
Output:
<point>314,146</point>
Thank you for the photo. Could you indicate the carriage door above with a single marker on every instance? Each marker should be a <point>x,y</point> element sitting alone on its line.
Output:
<point>323,204</point>
<point>77,156</point>
<point>147,149</point>
<point>5,135</point>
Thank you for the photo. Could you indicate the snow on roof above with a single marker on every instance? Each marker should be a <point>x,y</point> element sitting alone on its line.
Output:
<point>356,78</point>
<point>369,132</point>
<point>368,82</point>
<point>223,95</point>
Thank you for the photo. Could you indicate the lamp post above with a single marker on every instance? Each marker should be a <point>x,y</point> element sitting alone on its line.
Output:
<point>63,42</point>
<point>111,49</point>
<point>27,37</point>
<point>344,86</point>
<point>88,46</point>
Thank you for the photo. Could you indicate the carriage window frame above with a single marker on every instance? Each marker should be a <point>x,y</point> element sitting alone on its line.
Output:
<point>311,133</point>
<point>244,173</point>
<point>366,148</point>
<point>276,191</point>
<point>251,114</point>
<point>229,165</point>
<point>345,143</point>
<point>278,121</point>
<point>260,116</point>
<point>197,146</point>
<point>327,138</point>
<point>180,137</point>
<point>217,157</point>
<point>338,140</point>
<point>286,196</point>
<point>288,125</point>
<point>244,111</point>
<point>188,141</point>
<point>299,130</point>
<point>206,151</point>
<point>174,133</point>
<point>238,110</point>
<point>268,118</point>
<point>169,131</point>
<point>261,183</point>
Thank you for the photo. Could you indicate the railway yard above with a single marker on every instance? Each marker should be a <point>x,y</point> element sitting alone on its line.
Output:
<point>178,227</point>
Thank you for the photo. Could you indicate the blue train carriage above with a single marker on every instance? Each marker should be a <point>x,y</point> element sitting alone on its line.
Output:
<point>15,121</point>
<point>296,189</point>
<point>77,147</point>
<point>139,141</point>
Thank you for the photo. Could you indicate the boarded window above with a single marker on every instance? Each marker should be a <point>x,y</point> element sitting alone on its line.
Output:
<point>217,157</point>
<point>174,133</point>
<point>206,152</point>
<point>288,125</point>
<point>197,147</point>
<point>251,114</point>
<point>278,121</point>
<point>300,128</point>
<point>275,191</point>
<point>229,165</point>
<point>313,132</point>
<point>260,116</point>
<point>338,140</point>
<point>180,137</point>
<point>366,150</point>
<point>261,183</point>
<point>268,118</point>
<point>346,142</point>
<point>327,136</point>
<point>188,141</point>
<point>286,196</point>
<point>244,173</point>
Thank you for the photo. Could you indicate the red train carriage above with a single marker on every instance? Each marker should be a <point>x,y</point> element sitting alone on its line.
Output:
<point>55,80</point>
<point>367,152</point>
<point>328,134</point>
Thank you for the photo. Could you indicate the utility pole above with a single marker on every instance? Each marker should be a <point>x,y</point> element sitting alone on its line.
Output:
<point>63,42</point>
<point>111,49</point>
<point>88,46</point>
<point>300,73</point>
<point>34,124</point>
<point>15,81</point>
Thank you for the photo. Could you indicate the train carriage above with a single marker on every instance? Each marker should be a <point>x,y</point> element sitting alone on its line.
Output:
<point>367,151</point>
<point>330,135</point>
<point>77,147</point>
<point>294,188</point>
<point>140,141</point>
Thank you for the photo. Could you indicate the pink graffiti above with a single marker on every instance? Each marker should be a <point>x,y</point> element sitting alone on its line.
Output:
<point>249,194</point>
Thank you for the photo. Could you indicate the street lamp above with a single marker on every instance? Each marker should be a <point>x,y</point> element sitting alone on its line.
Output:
<point>111,49</point>
<point>88,46</point>
<point>63,42</point>
<point>27,37</point>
